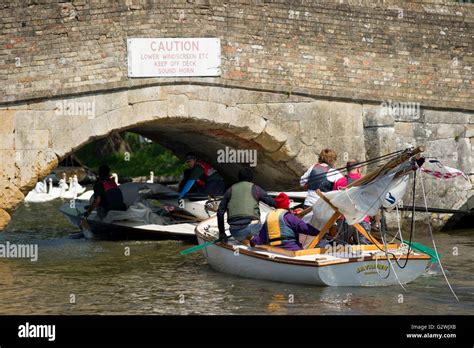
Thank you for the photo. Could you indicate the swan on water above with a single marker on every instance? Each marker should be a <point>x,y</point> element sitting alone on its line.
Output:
<point>115,176</point>
<point>71,193</point>
<point>79,189</point>
<point>54,192</point>
<point>152,177</point>
<point>64,180</point>
<point>41,195</point>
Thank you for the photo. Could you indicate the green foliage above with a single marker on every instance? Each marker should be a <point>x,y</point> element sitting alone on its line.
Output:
<point>144,157</point>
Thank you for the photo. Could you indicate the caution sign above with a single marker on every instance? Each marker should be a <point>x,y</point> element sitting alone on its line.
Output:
<point>174,57</point>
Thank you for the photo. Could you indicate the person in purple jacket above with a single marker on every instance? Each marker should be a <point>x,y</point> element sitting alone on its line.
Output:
<point>282,228</point>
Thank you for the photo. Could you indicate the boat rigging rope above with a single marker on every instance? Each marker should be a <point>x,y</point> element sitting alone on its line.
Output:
<point>433,241</point>
<point>388,259</point>
<point>343,169</point>
<point>412,225</point>
<point>411,232</point>
<point>390,263</point>
<point>399,232</point>
<point>383,237</point>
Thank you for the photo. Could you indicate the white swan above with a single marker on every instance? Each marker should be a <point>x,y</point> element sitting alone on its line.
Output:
<point>53,191</point>
<point>115,176</point>
<point>40,187</point>
<point>152,177</point>
<point>64,180</point>
<point>62,187</point>
<point>41,195</point>
<point>79,189</point>
<point>71,193</point>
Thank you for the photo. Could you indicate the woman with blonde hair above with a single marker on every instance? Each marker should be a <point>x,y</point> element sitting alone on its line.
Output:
<point>321,175</point>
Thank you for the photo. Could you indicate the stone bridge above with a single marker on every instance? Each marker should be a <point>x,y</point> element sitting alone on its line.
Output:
<point>296,77</point>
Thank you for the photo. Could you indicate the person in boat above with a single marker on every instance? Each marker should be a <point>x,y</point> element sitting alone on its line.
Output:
<point>241,202</point>
<point>282,228</point>
<point>349,233</point>
<point>107,195</point>
<point>203,177</point>
<point>321,175</point>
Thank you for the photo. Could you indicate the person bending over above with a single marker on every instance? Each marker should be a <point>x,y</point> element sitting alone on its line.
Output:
<point>241,202</point>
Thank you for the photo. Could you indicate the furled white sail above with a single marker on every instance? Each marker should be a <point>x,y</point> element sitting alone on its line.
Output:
<point>396,193</point>
<point>357,202</point>
<point>137,212</point>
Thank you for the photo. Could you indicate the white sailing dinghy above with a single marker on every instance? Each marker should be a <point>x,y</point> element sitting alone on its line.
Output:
<point>375,264</point>
<point>143,219</point>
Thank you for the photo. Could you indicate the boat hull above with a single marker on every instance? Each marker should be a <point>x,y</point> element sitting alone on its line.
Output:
<point>93,229</point>
<point>359,273</point>
<point>104,231</point>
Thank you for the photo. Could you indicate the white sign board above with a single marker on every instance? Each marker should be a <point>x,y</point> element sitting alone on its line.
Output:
<point>174,57</point>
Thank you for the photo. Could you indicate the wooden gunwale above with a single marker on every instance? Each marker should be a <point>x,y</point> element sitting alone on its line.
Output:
<point>308,263</point>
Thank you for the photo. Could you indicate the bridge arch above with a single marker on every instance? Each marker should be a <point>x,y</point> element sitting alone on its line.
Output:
<point>286,131</point>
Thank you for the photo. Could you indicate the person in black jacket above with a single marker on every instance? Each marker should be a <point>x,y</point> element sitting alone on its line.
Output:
<point>107,195</point>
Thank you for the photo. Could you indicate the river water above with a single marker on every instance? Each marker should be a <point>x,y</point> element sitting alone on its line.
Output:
<point>74,276</point>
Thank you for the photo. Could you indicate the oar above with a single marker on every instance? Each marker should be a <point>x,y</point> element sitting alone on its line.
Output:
<point>202,246</point>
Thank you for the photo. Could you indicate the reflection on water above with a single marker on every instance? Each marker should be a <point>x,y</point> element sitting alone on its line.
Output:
<point>97,277</point>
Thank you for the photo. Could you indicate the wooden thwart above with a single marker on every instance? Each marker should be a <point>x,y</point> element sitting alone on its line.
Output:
<point>276,250</point>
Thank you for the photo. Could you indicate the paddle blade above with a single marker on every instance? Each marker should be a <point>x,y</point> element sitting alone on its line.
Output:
<point>198,247</point>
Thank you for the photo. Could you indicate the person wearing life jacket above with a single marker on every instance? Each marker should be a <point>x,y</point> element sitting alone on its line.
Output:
<point>203,177</point>
<point>349,234</point>
<point>321,175</point>
<point>241,203</point>
<point>353,174</point>
<point>107,195</point>
<point>283,229</point>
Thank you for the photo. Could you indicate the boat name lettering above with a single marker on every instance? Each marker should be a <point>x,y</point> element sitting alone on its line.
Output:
<point>371,267</point>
